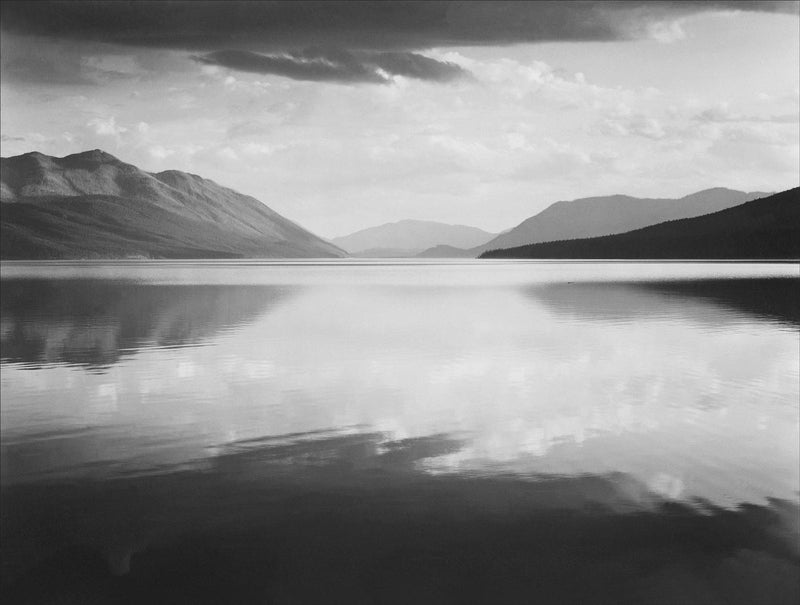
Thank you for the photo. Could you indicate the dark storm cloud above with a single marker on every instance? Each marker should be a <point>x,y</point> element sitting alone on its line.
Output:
<point>374,38</point>
<point>413,65</point>
<point>266,26</point>
<point>336,65</point>
<point>43,69</point>
<point>309,65</point>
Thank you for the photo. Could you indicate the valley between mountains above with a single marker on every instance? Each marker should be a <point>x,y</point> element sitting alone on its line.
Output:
<point>92,205</point>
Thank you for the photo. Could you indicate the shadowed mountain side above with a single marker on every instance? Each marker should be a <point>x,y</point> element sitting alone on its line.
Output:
<point>321,518</point>
<point>410,237</point>
<point>94,323</point>
<point>767,228</point>
<point>708,302</point>
<point>599,216</point>
<point>91,205</point>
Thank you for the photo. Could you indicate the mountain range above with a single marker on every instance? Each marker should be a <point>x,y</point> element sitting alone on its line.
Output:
<point>92,205</point>
<point>766,228</point>
<point>409,238</point>
<point>598,216</point>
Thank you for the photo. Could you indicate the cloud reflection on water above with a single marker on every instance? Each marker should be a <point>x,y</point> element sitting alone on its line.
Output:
<point>349,517</point>
<point>398,442</point>
<point>555,378</point>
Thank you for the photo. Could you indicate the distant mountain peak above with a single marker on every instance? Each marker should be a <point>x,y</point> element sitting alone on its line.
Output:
<point>613,196</point>
<point>710,191</point>
<point>93,155</point>
<point>417,221</point>
<point>724,191</point>
<point>763,228</point>
<point>607,215</point>
<point>410,236</point>
<point>180,173</point>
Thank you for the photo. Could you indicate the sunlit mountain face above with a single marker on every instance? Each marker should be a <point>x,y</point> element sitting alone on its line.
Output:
<point>92,205</point>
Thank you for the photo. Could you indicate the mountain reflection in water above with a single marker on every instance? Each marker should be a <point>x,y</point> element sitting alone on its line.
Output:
<point>702,301</point>
<point>94,323</point>
<point>477,433</point>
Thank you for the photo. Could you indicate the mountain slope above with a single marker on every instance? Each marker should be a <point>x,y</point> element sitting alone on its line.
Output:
<point>411,237</point>
<point>92,205</point>
<point>446,252</point>
<point>596,216</point>
<point>767,228</point>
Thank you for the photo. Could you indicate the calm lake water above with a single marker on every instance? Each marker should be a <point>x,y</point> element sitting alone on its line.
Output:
<point>400,432</point>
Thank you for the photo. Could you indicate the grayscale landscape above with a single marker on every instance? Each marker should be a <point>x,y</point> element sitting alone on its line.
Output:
<point>91,205</point>
<point>400,302</point>
<point>409,238</point>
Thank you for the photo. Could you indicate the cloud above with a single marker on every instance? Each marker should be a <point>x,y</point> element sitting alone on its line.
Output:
<point>106,126</point>
<point>333,64</point>
<point>634,125</point>
<point>111,66</point>
<point>413,65</point>
<point>723,114</point>
<point>43,68</point>
<point>309,65</point>
<point>278,26</point>
<point>64,63</point>
<point>324,41</point>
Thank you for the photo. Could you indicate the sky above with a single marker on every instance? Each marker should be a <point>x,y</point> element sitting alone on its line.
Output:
<point>342,116</point>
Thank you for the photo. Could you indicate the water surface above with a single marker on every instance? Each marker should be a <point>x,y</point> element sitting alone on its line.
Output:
<point>401,432</point>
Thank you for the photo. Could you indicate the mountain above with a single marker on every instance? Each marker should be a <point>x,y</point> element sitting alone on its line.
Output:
<point>385,253</point>
<point>410,237</point>
<point>766,228</point>
<point>442,251</point>
<point>92,205</point>
<point>595,216</point>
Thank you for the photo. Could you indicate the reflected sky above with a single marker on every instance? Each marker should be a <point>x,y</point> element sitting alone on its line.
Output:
<point>688,385</point>
<point>147,402</point>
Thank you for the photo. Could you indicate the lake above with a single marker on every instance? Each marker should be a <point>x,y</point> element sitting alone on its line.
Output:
<point>400,432</point>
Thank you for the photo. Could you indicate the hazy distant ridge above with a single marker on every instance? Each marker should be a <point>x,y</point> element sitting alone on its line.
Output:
<point>766,228</point>
<point>596,216</point>
<point>606,215</point>
<point>92,205</point>
<point>409,237</point>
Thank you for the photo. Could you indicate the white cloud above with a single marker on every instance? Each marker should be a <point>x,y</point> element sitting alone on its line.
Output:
<point>227,153</point>
<point>666,32</point>
<point>258,149</point>
<point>106,126</point>
<point>516,140</point>
<point>160,152</point>
<point>635,125</point>
<point>538,123</point>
